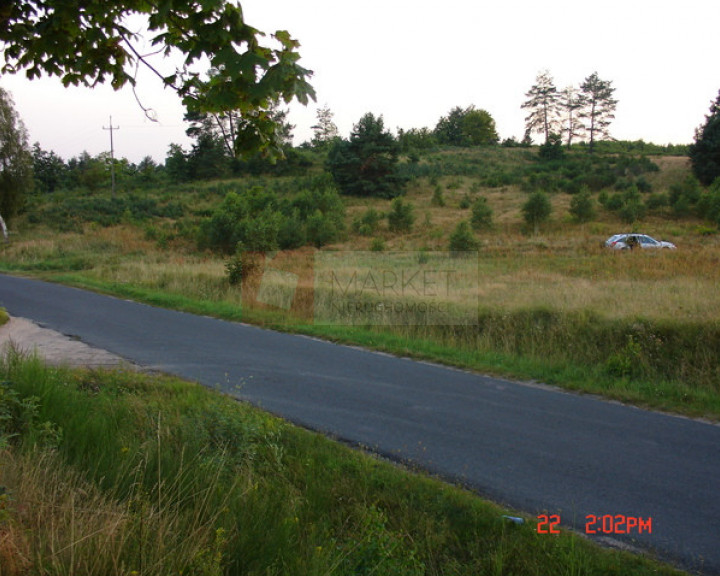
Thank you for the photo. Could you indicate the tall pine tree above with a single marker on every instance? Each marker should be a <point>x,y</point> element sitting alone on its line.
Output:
<point>325,131</point>
<point>544,104</point>
<point>366,165</point>
<point>705,151</point>
<point>571,103</point>
<point>599,109</point>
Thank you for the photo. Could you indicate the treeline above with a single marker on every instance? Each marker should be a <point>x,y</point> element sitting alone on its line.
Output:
<point>93,173</point>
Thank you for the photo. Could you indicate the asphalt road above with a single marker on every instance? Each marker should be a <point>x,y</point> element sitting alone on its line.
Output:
<point>533,448</point>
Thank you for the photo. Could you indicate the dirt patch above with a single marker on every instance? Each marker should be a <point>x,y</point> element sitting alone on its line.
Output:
<point>56,348</point>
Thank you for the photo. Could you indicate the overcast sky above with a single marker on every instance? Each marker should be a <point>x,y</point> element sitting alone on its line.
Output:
<point>411,61</point>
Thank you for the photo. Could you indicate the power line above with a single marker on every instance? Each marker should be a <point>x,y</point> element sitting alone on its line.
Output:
<point>112,154</point>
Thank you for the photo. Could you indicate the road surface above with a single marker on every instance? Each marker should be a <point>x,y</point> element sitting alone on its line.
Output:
<point>534,448</point>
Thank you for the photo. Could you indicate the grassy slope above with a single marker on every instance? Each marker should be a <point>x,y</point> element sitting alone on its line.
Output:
<point>640,328</point>
<point>122,473</point>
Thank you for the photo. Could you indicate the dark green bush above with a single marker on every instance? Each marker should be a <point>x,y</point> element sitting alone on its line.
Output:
<point>614,202</point>
<point>582,206</point>
<point>537,209</point>
<point>708,206</point>
<point>684,196</point>
<point>462,239</point>
<point>321,229</point>
<point>262,222</point>
<point>643,185</point>
<point>482,214</point>
<point>401,217</point>
<point>656,201</point>
<point>367,164</point>
<point>552,149</point>
<point>292,232</point>
<point>367,223</point>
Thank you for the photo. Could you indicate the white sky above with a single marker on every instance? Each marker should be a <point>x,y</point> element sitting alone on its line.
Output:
<point>414,60</point>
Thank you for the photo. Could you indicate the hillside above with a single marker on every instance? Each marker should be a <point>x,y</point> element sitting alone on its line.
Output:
<point>552,303</point>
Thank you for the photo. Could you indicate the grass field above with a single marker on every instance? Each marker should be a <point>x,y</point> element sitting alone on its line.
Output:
<point>117,473</point>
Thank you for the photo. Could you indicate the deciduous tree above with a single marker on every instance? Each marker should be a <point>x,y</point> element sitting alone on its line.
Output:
<point>238,133</point>
<point>466,127</point>
<point>449,129</point>
<point>90,42</point>
<point>478,128</point>
<point>16,177</point>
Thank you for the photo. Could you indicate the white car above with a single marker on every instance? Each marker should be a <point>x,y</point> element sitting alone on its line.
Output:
<point>629,241</point>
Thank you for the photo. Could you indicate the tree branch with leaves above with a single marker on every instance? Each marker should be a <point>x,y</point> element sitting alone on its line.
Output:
<point>88,43</point>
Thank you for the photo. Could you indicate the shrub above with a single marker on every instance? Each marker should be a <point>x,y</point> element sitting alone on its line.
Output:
<point>632,211</point>
<point>367,224</point>
<point>462,238</point>
<point>684,196</point>
<point>321,229</point>
<point>482,214</point>
<point>242,264</point>
<point>689,187</point>
<point>292,233</point>
<point>614,202</point>
<point>262,222</point>
<point>251,218</point>
<point>234,270</point>
<point>537,209</point>
<point>643,185</point>
<point>552,148</point>
<point>401,217</point>
<point>437,198</point>
<point>656,201</point>
<point>377,245</point>
<point>709,204</point>
<point>582,206</point>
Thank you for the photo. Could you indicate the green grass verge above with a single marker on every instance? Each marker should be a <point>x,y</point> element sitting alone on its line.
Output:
<point>613,379</point>
<point>124,473</point>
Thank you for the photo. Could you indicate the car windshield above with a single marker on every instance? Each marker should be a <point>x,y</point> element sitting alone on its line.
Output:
<point>648,240</point>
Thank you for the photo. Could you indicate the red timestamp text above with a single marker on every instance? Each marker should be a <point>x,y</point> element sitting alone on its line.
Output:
<point>617,524</point>
<point>599,524</point>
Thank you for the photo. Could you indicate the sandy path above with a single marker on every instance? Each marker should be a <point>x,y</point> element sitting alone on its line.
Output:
<point>55,348</point>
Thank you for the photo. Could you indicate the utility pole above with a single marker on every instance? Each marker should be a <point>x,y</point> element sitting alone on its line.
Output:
<point>112,154</point>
